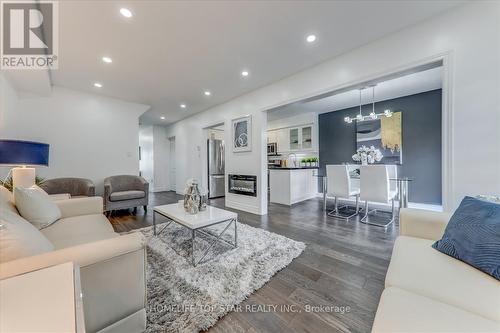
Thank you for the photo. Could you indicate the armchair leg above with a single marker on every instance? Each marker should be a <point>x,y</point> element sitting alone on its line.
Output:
<point>135,210</point>
<point>145,208</point>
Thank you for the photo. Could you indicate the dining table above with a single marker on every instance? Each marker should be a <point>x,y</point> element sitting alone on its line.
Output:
<point>402,187</point>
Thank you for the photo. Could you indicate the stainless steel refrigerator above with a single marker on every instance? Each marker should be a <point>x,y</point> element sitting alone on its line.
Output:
<point>216,168</point>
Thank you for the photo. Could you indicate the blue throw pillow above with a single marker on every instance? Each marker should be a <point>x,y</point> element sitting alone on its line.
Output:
<point>473,235</point>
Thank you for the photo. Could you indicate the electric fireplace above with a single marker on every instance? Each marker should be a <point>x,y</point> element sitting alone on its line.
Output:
<point>242,184</point>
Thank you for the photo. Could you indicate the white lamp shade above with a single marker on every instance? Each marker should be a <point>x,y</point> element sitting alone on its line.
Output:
<point>23,177</point>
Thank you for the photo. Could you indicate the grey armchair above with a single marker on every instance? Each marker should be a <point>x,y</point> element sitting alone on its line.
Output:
<point>125,191</point>
<point>76,187</point>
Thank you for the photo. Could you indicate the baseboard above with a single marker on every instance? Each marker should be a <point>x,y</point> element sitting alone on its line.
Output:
<point>161,189</point>
<point>304,198</point>
<point>243,207</point>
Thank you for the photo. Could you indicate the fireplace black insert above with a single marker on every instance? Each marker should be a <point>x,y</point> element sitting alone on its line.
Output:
<point>242,184</point>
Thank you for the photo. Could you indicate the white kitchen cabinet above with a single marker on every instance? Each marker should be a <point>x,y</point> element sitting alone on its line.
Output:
<point>272,136</point>
<point>300,138</point>
<point>282,140</point>
<point>306,137</point>
<point>290,186</point>
<point>292,139</point>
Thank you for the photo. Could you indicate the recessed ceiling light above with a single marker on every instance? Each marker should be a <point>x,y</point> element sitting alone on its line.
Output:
<point>97,85</point>
<point>183,106</point>
<point>311,38</point>
<point>207,93</point>
<point>162,118</point>
<point>126,12</point>
<point>107,60</point>
<point>244,73</point>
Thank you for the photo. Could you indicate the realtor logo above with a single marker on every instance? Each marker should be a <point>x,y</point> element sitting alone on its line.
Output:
<point>29,34</point>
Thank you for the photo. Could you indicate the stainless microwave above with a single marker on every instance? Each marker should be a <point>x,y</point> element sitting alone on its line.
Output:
<point>272,148</point>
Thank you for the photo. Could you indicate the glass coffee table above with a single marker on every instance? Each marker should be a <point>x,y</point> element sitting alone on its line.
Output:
<point>196,223</point>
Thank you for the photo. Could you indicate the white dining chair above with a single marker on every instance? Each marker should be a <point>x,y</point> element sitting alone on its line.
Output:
<point>339,186</point>
<point>376,187</point>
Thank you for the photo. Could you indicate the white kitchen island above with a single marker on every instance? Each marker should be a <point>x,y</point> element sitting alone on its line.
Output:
<point>288,186</point>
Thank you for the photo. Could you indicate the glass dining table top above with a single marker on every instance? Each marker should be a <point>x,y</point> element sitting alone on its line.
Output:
<point>358,177</point>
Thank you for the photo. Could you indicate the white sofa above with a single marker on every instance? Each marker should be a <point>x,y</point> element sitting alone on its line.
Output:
<point>112,267</point>
<point>428,291</point>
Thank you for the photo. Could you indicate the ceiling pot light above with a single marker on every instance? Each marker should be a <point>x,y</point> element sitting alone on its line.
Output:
<point>97,85</point>
<point>126,12</point>
<point>244,73</point>
<point>207,93</point>
<point>311,38</point>
<point>107,60</point>
<point>162,118</point>
<point>183,106</point>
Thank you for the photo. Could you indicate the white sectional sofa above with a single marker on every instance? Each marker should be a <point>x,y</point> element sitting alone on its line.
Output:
<point>428,291</point>
<point>112,267</point>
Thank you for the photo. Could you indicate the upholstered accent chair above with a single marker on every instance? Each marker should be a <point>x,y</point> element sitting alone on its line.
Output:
<point>125,191</point>
<point>75,187</point>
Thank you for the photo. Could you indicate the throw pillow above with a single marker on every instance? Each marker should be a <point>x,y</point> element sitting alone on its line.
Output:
<point>36,206</point>
<point>473,235</point>
<point>18,238</point>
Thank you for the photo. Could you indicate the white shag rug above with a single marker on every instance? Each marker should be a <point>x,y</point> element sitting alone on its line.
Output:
<point>183,298</point>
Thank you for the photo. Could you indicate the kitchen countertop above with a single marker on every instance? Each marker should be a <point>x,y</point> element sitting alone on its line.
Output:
<point>298,168</point>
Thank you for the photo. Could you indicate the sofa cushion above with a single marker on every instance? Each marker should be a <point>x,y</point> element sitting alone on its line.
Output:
<point>7,200</point>
<point>402,311</point>
<point>35,205</point>
<point>5,195</point>
<point>473,235</point>
<point>60,196</point>
<point>80,229</point>
<point>126,195</point>
<point>415,266</point>
<point>19,238</point>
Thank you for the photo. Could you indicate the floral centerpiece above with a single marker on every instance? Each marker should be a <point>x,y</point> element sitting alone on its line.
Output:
<point>367,155</point>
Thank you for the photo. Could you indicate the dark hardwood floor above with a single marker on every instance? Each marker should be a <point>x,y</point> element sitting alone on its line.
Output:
<point>344,265</point>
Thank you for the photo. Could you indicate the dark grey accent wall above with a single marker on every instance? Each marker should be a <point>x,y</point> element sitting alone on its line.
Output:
<point>421,126</point>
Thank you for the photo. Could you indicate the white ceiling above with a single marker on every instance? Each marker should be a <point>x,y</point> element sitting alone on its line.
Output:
<point>406,85</point>
<point>169,52</point>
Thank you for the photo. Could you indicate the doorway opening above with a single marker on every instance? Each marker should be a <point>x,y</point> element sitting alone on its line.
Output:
<point>329,129</point>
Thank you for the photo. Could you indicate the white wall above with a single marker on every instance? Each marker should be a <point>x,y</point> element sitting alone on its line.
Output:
<point>146,164</point>
<point>8,101</point>
<point>470,35</point>
<point>90,136</point>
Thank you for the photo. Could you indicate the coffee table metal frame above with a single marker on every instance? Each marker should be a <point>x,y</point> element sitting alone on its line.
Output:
<point>195,262</point>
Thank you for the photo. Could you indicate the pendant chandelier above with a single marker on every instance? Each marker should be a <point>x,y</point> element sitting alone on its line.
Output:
<point>372,115</point>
